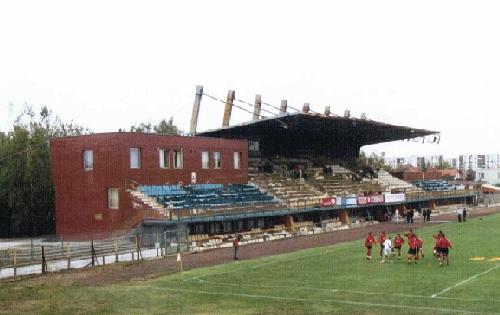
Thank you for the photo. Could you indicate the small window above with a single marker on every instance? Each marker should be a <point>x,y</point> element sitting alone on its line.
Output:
<point>253,146</point>
<point>113,201</point>
<point>217,160</point>
<point>135,158</point>
<point>164,158</point>
<point>178,159</point>
<point>237,160</point>
<point>88,160</point>
<point>205,160</point>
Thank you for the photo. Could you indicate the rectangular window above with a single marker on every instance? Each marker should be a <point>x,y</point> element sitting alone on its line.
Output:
<point>113,201</point>
<point>135,158</point>
<point>237,160</point>
<point>88,160</point>
<point>205,160</point>
<point>164,158</point>
<point>217,160</point>
<point>253,146</point>
<point>178,159</point>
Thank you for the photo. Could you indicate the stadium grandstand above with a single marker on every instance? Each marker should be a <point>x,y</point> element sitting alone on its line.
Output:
<point>275,173</point>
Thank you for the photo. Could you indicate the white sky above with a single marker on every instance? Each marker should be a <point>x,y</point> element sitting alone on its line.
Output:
<point>110,64</point>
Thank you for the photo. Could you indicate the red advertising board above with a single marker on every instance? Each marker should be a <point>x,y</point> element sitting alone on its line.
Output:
<point>328,202</point>
<point>376,199</point>
<point>363,200</point>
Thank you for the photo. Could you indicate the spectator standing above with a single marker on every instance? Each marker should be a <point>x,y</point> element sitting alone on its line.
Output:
<point>236,244</point>
<point>464,214</point>
<point>459,212</point>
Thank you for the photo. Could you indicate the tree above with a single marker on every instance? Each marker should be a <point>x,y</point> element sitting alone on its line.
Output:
<point>164,127</point>
<point>443,165</point>
<point>367,165</point>
<point>27,201</point>
<point>471,175</point>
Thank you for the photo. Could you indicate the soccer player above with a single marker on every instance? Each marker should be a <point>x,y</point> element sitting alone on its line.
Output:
<point>398,242</point>
<point>444,245</point>
<point>387,249</point>
<point>381,240</point>
<point>437,249</point>
<point>370,240</point>
<point>420,244</point>
<point>412,251</point>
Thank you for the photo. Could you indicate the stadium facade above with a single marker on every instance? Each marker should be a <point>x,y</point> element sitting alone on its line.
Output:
<point>278,171</point>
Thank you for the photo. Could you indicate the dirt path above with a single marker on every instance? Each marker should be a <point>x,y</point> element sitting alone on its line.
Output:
<point>133,271</point>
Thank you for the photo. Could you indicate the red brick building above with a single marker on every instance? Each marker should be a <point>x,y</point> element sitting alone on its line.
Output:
<point>91,175</point>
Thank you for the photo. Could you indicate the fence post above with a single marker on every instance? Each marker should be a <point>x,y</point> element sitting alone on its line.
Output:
<point>44,262</point>
<point>165,236</point>
<point>157,242</point>
<point>116,250</point>
<point>68,255</point>
<point>14,254</point>
<point>138,247</point>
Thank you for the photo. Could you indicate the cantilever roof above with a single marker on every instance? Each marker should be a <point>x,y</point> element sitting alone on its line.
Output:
<point>302,126</point>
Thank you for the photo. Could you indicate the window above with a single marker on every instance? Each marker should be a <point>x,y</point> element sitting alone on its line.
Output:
<point>135,158</point>
<point>113,198</point>
<point>88,160</point>
<point>204,159</point>
<point>178,159</point>
<point>237,160</point>
<point>217,160</point>
<point>164,158</point>
<point>253,146</point>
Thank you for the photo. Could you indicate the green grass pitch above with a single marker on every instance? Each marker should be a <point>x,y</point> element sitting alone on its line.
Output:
<point>326,280</point>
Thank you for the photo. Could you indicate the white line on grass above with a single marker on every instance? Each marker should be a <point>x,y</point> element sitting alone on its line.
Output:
<point>268,286</point>
<point>273,297</point>
<point>263,264</point>
<point>465,281</point>
<point>338,290</point>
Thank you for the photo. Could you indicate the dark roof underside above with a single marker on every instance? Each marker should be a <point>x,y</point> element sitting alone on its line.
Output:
<point>304,127</point>
<point>315,136</point>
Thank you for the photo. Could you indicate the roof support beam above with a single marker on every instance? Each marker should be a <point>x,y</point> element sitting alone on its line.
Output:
<point>228,108</point>
<point>257,107</point>
<point>196,110</point>
<point>283,107</point>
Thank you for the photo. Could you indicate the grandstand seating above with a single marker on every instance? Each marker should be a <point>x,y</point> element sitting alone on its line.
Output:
<point>293,193</point>
<point>206,196</point>
<point>340,182</point>
<point>390,183</point>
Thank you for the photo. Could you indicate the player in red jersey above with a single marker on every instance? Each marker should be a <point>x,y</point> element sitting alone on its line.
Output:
<point>444,245</point>
<point>412,251</point>
<point>398,242</point>
<point>381,241</point>
<point>420,244</point>
<point>370,240</point>
<point>437,249</point>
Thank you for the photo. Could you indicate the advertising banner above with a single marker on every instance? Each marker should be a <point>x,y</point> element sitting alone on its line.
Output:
<point>390,198</point>
<point>350,201</point>
<point>363,200</point>
<point>375,199</point>
<point>328,202</point>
